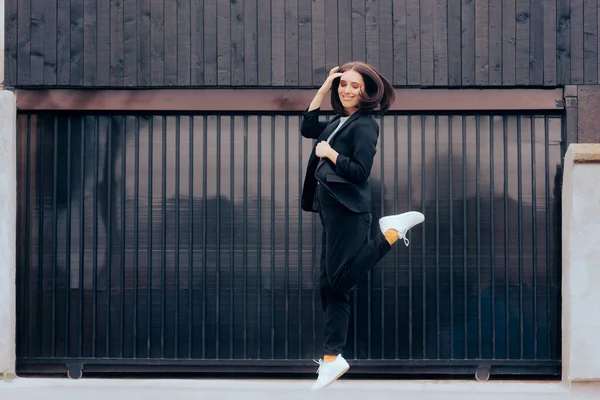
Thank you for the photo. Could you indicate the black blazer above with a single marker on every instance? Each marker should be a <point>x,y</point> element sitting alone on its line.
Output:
<point>348,179</point>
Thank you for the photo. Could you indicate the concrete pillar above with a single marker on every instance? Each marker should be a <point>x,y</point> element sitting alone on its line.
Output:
<point>1,43</point>
<point>581,264</point>
<point>8,226</point>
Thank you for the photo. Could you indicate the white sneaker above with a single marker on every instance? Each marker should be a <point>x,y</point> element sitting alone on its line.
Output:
<point>330,371</point>
<point>401,223</point>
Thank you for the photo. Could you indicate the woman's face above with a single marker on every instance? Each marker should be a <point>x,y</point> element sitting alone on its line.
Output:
<point>351,85</point>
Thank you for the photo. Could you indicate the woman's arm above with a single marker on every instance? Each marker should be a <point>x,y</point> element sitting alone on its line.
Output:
<point>311,127</point>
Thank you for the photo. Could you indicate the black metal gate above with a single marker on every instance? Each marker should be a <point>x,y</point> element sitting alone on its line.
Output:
<point>176,243</point>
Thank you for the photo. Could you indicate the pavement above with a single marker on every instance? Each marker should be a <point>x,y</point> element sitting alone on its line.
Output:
<point>247,389</point>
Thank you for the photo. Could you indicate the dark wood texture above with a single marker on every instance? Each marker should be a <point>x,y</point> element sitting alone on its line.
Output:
<point>294,43</point>
<point>550,37</point>
<point>130,49</point>
<point>11,35</point>
<point>495,43</point>
<point>238,49</point>
<point>103,53</point>
<point>143,67</point>
<point>590,42</point>
<point>77,45</point>
<point>304,43</point>
<point>116,42</point>
<point>197,42</point>
<point>37,41</point>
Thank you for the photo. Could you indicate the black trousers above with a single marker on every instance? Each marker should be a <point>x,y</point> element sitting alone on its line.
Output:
<point>347,254</point>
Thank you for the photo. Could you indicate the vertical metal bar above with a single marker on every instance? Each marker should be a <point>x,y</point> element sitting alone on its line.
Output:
<point>369,314</point>
<point>136,234</point>
<point>259,237</point>
<point>451,224</point>
<point>465,243</point>
<point>231,230</point>
<point>437,235</point>
<point>286,275</point>
<point>28,244</point>
<point>493,236</point>
<point>95,226</point>
<point>369,304</point>
<point>109,214</point>
<point>272,236</point>
<point>423,260</point>
<point>204,227</point>
<point>177,226</point>
<point>54,231</point>
<point>548,229</point>
<point>534,236</point>
<point>355,307</point>
<point>218,274</point>
<point>83,158</point>
<point>150,203</point>
<point>40,322</point>
<point>314,280</point>
<point>520,225</point>
<point>191,239</point>
<point>300,266</point>
<point>478,218</point>
<point>396,280</point>
<point>245,238</point>
<point>68,243</point>
<point>314,287</point>
<point>21,281</point>
<point>123,137</point>
<point>329,116</point>
<point>382,211</point>
<point>410,276</point>
<point>506,235</point>
<point>163,266</point>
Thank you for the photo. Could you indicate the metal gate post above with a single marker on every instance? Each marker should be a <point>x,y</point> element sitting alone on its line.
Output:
<point>571,115</point>
<point>8,227</point>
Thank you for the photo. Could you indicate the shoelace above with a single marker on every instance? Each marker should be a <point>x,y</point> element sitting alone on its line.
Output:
<point>320,362</point>
<point>403,236</point>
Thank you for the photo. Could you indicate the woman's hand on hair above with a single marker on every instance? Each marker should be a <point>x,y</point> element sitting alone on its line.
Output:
<point>328,82</point>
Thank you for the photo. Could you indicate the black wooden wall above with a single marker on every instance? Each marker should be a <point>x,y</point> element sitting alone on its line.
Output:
<point>198,43</point>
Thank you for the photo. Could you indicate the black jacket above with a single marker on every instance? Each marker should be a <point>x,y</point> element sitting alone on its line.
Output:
<point>348,179</point>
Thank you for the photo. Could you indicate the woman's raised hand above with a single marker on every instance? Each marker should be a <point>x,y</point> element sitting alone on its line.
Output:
<point>332,75</point>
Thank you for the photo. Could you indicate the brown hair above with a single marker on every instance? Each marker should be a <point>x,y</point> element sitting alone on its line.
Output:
<point>378,93</point>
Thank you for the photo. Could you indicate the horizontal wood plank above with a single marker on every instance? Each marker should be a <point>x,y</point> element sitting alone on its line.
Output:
<point>277,100</point>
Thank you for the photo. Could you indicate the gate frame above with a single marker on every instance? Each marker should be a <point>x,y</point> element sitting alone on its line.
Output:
<point>278,100</point>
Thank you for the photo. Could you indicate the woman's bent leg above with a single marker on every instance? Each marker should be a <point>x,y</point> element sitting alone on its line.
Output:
<point>350,254</point>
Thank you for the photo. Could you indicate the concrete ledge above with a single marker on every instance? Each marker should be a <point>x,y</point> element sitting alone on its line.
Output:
<point>584,153</point>
<point>8,221</point>
<point>92,389</point>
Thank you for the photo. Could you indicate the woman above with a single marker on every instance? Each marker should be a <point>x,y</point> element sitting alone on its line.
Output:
<point>337,187</point>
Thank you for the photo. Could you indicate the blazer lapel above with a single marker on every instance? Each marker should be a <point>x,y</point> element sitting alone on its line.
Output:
<point>328,131</point>
<point>353,117</point>
<point>330,128</point>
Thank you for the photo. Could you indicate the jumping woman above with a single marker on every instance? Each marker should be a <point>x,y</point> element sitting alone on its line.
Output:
<point>337,186</point>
